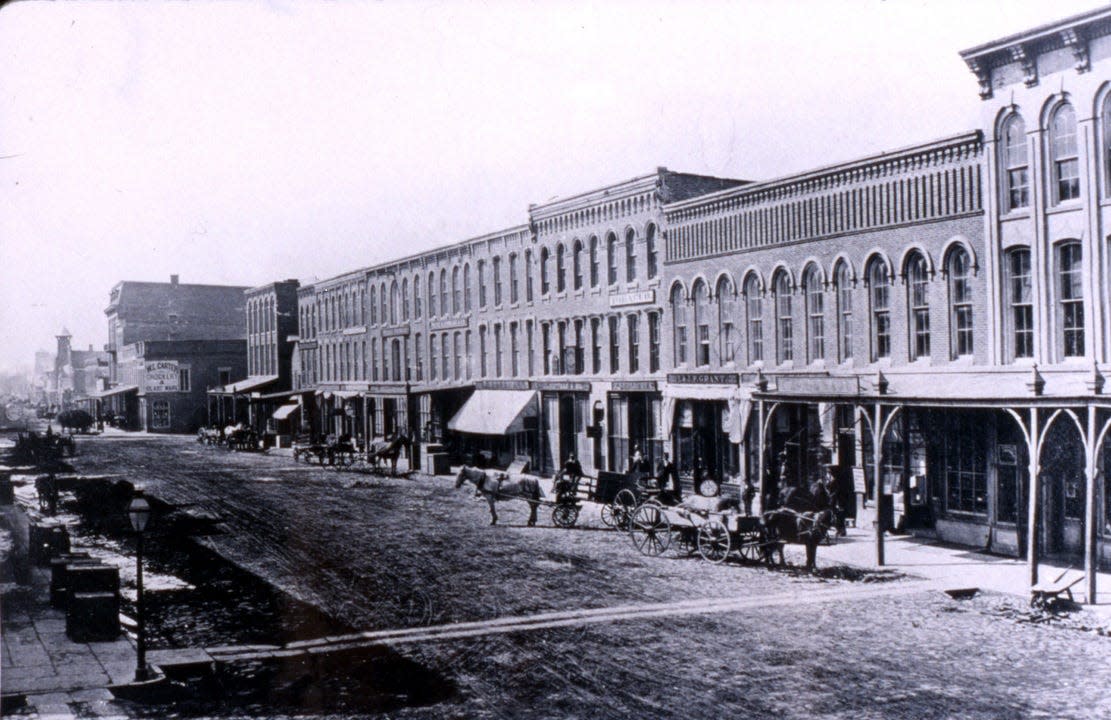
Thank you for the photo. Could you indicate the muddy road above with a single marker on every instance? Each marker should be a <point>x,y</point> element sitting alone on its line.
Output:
<point>379,553</point>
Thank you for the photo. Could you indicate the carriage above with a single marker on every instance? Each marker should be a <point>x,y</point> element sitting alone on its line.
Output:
<point>332,450</point>
<point>714,534</point>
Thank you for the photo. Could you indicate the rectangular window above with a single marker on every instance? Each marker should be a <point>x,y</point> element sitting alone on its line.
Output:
<point>653,342</point>
<point>497,350</point>
<point>457,341</point>
<point>482,351</point>
<point>514,350</point>
<point>418,350</point>
<point>611,256</point>
<point>630,257</point>
<point>513,283</point>
<point>594,262</point>
<point>1022,306</point>
<point>481,284</point>
<point>965,458</point>
<point>183,380</point>
<point>634,343</point>
<point>845,319</point>
<point>467,353</point>
<point>528,277</point>
<point>1071,299</point>
<point>703,350</point>
<point>596,345</point>
<point>497,281</point>
<point>434,359</point>
<point>160,414</point>
<point>580,364</point>
<point>681,345</point>
<point>755,327</point>
<point>615,346</point>
<point>786,327</point>
<point>1007,483</point>
<point>530,349</point>
<point>561,364</point>
<point>546,347</point>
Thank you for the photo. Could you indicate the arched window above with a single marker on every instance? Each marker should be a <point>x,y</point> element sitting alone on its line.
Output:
<point>701,296</point>
<point>1070,291</point>
<point>1063,153</point>
<point>918,305</point>
<point>727,313</point>
<point>679,323</point>
<point>653,256</point>
<point>630,255</point>
<point>879,286</point>
<point>843,280</point>
<point>431,289</point>
<point>784,318</point>
<point>754,309</point>
<point>561,269</point>
<point>445,298</point>
<point>1020,299</point>
<point>545,282</point>
<point>815,313</point>
<point>960,301</point>
<point>404,300</point>
<point>466,287</point>
<point>416,297</point>
<point>594,264</point>
<point>373,305</point>
<point>1015,174</point>
<point>577,264</point>
<point>611,257</point>
<point>456,291</point>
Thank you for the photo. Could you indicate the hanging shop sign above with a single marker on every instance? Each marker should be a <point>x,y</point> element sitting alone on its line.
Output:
<point>562,386</point>
<point>502,385</point>
<point>634,386</point>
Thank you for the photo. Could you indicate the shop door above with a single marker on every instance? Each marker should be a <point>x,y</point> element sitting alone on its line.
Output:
<point>566,427</point>
<point>1064,491</point>
<point>389,417</point>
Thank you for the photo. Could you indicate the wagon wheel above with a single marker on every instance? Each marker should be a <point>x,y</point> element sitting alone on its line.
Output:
<point>650,529</point>
<point>623,505</point>
<point>714,542</point>
<point>750,548</point>
<point>565,515</point>
<point>607,516</point>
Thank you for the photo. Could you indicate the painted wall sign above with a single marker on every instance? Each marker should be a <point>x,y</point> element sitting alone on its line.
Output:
<point>162,376</point>
<point>858,480</point>
<point>803,385</point>
<point>502,385</point>
<point>396,331</point>
<point>633,386</point>
<point>448,324</point>
<point>643,297</point>
<point>387,390</point>
<point>702,378</point>
<point>562,386</point>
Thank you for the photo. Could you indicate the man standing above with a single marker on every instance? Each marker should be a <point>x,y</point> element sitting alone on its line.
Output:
<point>668,478</point>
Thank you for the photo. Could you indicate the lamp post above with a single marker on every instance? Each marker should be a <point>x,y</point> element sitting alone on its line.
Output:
<point>139,514</point>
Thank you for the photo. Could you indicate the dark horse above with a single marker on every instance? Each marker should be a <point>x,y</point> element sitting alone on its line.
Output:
<point>498,486</point>
<point>387,450</point>
<point>804,518</point>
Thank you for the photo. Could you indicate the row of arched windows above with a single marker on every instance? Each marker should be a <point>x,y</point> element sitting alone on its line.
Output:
<point>727,325</point>
<point>1062,157</point>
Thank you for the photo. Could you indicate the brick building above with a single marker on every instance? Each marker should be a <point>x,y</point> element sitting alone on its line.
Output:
<point>927,324</point>
<point>167,344</point>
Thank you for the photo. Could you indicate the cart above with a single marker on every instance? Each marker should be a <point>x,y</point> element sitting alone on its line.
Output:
<point>655,528</point>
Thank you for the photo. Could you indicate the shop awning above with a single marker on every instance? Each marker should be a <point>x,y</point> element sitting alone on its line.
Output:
<point>737,399</point>
<point>251,383</point>
<point>495,412</point>
<point>285,411</point>
<point>120,390</point>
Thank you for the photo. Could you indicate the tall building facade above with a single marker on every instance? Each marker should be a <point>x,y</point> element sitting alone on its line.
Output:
<point>927,325</point>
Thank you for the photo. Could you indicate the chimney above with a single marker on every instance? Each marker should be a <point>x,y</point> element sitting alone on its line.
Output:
<point>173,279</point>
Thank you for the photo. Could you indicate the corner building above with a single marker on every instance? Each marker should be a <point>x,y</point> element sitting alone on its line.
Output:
<point>928,325</point>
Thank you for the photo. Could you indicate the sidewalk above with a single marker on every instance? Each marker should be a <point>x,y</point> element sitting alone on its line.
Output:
<point>951,566</point>
<point>47,668</point>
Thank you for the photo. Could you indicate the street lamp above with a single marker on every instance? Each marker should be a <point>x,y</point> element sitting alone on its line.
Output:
<point>139,514</point>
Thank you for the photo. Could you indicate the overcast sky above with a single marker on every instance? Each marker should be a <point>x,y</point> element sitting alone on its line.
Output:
<point>243,142</point>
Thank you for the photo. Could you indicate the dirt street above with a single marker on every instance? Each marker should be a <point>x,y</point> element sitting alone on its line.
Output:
<point>379,553</point>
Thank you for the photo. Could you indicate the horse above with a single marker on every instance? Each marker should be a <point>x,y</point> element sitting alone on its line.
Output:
<point>387,450</point>
<point>498,486</point>
<point>787,525</point>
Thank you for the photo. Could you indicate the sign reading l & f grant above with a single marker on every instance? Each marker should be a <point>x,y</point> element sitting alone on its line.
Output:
<point>162,376</point>
<point>703,378</point>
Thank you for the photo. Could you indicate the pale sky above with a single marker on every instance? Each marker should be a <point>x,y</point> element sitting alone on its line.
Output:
<point>244,142</point>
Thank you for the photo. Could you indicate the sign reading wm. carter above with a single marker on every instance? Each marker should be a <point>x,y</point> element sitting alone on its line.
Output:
<point>162,376</point>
